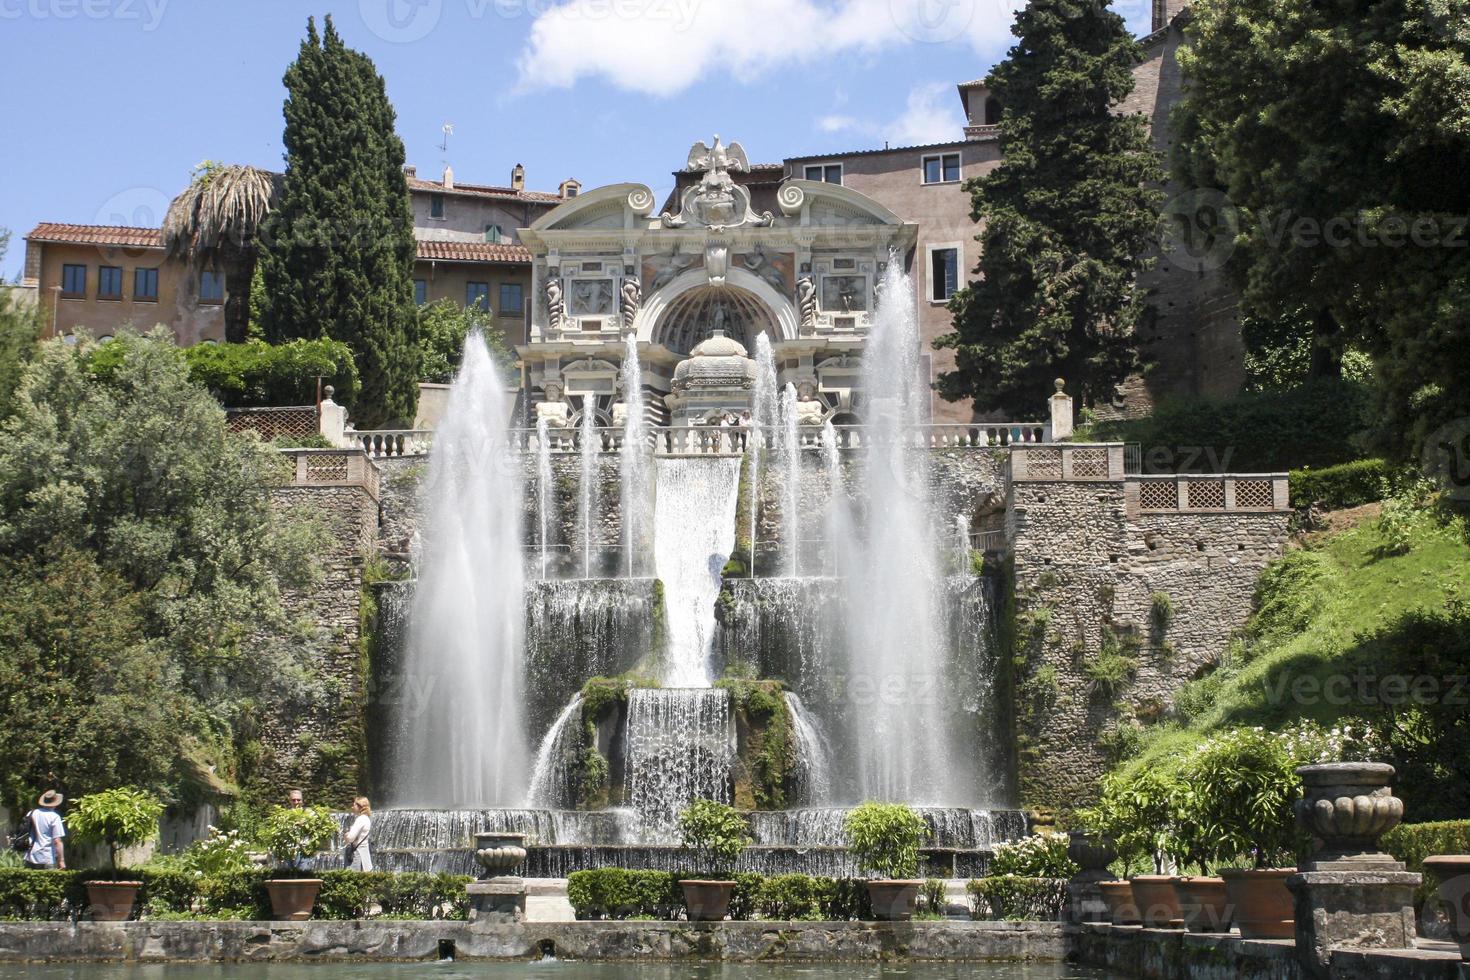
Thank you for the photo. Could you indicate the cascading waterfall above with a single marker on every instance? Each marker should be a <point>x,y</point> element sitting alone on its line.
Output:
<point>962,545</point>
<point>910,745</point>
<point>695,516</point>
<point>790,472</point>
<point>763,420</point>
<point>543,488</point>
<point>633,464</point>
<point>550,771</point>
<point>813,754</point>
<point>587,485</point>
<point>681,744</point>
<point>466,745</point>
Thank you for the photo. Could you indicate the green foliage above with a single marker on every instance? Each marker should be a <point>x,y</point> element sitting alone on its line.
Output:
<point>352,895</point>
<point>1114,665</point>
<point>769,749</point>
<point>340,246</point>
<point>1068,216</point>
<point>120,818</point>
<point>223,852</point>
<point>1160,611</point>
<point>21,326</point>
<point>932,899</point>
<point>1037,856</point>
<point>142,562</point>
<point>443,327</point>
<point>1010,898</point>
<point>617,893</point>
<point>259,374</point>
<point>1411,843</point>
<point>885,838</point>
<point>1136,809</point>
<point>715,831</point>
<point>1345,485</point>
<point>289,835</point>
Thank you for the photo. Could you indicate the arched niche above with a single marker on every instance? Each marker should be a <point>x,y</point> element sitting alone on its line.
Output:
<point>780,310</point>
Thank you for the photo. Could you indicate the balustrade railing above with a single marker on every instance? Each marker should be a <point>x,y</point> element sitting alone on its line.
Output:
<point>332,467</point>
<point>387,443</point>
<point>704,440</point>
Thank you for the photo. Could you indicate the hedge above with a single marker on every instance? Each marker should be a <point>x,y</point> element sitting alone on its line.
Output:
<point>616,893</point>
<point>256,374</point>
<point>1346,485</point>
<point>60,895</point>
<point>1411,843</point>
<point>1011,898</point>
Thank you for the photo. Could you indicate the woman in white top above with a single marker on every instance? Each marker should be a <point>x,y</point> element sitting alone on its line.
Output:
<point>358,855</point>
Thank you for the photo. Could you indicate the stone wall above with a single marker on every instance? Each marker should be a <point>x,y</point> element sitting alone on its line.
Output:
<point>1086,575</point>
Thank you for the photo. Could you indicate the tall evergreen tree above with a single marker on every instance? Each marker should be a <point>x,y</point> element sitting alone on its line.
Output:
<point>1068,217</point>
<point>340,251</point>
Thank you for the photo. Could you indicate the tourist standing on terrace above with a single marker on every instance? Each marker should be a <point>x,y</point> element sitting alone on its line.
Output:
<point>47,829</point>
<point>357,855</point>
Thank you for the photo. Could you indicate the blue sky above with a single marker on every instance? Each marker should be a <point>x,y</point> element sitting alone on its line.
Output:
<point>110,103</point>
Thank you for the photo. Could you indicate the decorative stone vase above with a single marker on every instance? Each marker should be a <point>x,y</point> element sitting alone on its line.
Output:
<point>499,854</point>
<point>112,901</point>
<point>1453,872</point>
<point>894,901</point>
<point>1262,904</point>
<point>1158,903</point>
<point>1118,897</point>
<point>292,899</point>
<point>707,901</point>
<point>1092,853</point>
<point>1205,904</point>
<point>1348,806</point>
<point>1042,822</point>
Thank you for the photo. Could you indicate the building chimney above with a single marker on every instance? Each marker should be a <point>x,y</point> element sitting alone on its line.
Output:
<point>518,178</point>
<point>448,178</point>
<point>570,188</point>
<point>410,171</point>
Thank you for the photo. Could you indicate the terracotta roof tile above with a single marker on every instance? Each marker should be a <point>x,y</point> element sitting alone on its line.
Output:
<point>503,254</point>
<point>483,190</point>
<point>52,231</point>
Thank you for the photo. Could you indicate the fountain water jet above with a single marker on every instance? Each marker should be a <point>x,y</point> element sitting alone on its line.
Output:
<point>543,486</point>
<point>587,488</point>
<point>762,422</point>
<point>633,464</point>
<point>790,473</point>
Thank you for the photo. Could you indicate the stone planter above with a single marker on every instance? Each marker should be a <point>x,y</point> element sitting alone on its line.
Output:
<point>1348,806</point>
<point>707,901</point>
<point>893,901</point>
<point>499,854</point>
<point>1118,897</point>
<point>1453,872</point>
<point>292,899</point>
<point>112,901</point>
<point>1205,904</point>
<point>1158,903</point>
<point>1092,853</point>
<point>1263,906</point>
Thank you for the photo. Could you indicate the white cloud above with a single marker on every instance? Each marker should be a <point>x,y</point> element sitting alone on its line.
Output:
<point>661,47</point>
<point>836,124</point>
<point>931,115</point>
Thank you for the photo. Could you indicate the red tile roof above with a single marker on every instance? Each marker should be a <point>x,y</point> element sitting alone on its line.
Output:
<point>502,254</point>
<point>483,190</point>
<point>119,235</point>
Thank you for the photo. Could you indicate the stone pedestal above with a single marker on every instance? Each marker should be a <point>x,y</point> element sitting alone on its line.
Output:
<point>497,901</point>
<point>1351,909</point>
<point>1092,854</point>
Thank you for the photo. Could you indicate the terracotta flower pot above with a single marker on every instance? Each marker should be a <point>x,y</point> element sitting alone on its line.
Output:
<point>1158,903</point>
<point>112,901</point>
<point>292,898</point>
<point>1205,904</point>
<point>707,901</point>
<point>1118,896</point>
<point>1263,907</point>
<point>894,901</point>
<point>1453,872</point>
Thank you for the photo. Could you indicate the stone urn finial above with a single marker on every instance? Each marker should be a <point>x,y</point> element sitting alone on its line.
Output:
<point>1092,852</point>
<point>1061,384</point>
<point>1348,806</point>
<point>499,854</point>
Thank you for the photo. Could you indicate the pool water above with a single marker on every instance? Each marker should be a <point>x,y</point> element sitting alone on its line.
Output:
<point>556,970</point>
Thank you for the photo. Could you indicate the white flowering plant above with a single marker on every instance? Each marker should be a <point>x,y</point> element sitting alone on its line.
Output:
<point>1033,857</point>
<point>223,852</point>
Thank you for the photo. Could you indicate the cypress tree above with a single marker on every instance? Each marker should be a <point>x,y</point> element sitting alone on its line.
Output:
<point>1068,218</point>
<point>340,252</point>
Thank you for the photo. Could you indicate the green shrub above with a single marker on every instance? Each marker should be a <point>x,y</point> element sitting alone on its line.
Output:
<point>932,898</point>
<point>1411,843</point>
<point>1113,666</point>
<point>1161,611</point>
<point>715,831</point>
<point>1345,485</point>
<point>792,898</point>
<point>222,852</point>
<point>1033,857</point>
<point>256,374</point>
<point>119,818</point>
<point>885,838</point>
<point>290,835</point>
<point>1014,899</point>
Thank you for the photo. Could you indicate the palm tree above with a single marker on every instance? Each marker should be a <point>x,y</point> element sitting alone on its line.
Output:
<point>214,224</point>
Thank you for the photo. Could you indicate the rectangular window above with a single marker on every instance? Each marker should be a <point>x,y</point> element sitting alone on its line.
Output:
<point>512,299</point>
<point>493,234</point>
<point>145,285</point>
<point>944,273</point>
<point>73,280</point>
<point>943,168</point>
<point>109,282</point>
<point>211,287</point>
<point>830,173</point>
<point>436,205</point>
<point>421,291</point>
<point>477,294</point>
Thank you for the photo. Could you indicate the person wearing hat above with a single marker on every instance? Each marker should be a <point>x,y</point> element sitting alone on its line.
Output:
<point>47,831</point>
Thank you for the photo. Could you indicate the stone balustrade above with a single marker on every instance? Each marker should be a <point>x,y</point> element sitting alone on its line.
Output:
<point>332,468</point>
<point>673,440</point>
<point>1206,493</point>
<point>388,443</point>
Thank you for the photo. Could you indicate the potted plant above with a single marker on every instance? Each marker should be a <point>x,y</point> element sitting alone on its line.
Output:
<point>291,836</point>
<point>1137,810</point>
<point>120,818</point>
<point>885,838</point>
<point>717,834</point>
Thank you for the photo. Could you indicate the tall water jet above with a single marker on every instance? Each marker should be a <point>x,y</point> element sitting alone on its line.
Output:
<point>790,471</point>
<point>838,518</point>
<point>910,744</point>
<point>465,744</point>
<point>695,516</point>
<point>587,487</point>
<point>633,465</point>
<point>762,423</point>
<point>543,488</point>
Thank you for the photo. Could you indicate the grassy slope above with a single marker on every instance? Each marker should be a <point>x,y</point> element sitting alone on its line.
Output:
<point>1320,609</point>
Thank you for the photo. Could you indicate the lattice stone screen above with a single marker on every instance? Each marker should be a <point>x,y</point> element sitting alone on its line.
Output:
<point>1090,462</point>
<point>296,422</point>
<point>1255,495</point>
<point>1158,495</point>
<point>1206,494</point>
<point>1044,463</point>
<point>326,469</point>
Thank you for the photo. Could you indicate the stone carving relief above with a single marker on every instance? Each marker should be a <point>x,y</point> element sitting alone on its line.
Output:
<point>592,297</point>
<point>717,263</point>
<point>760,264</point>
<point>716,202</point>
<point>631,301</point>
<point>554,408</point>
<point>809,409</point>
<point>806,302</point>
<point>556,307</point>
<point>667,269</point>
<point>845,294</point>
